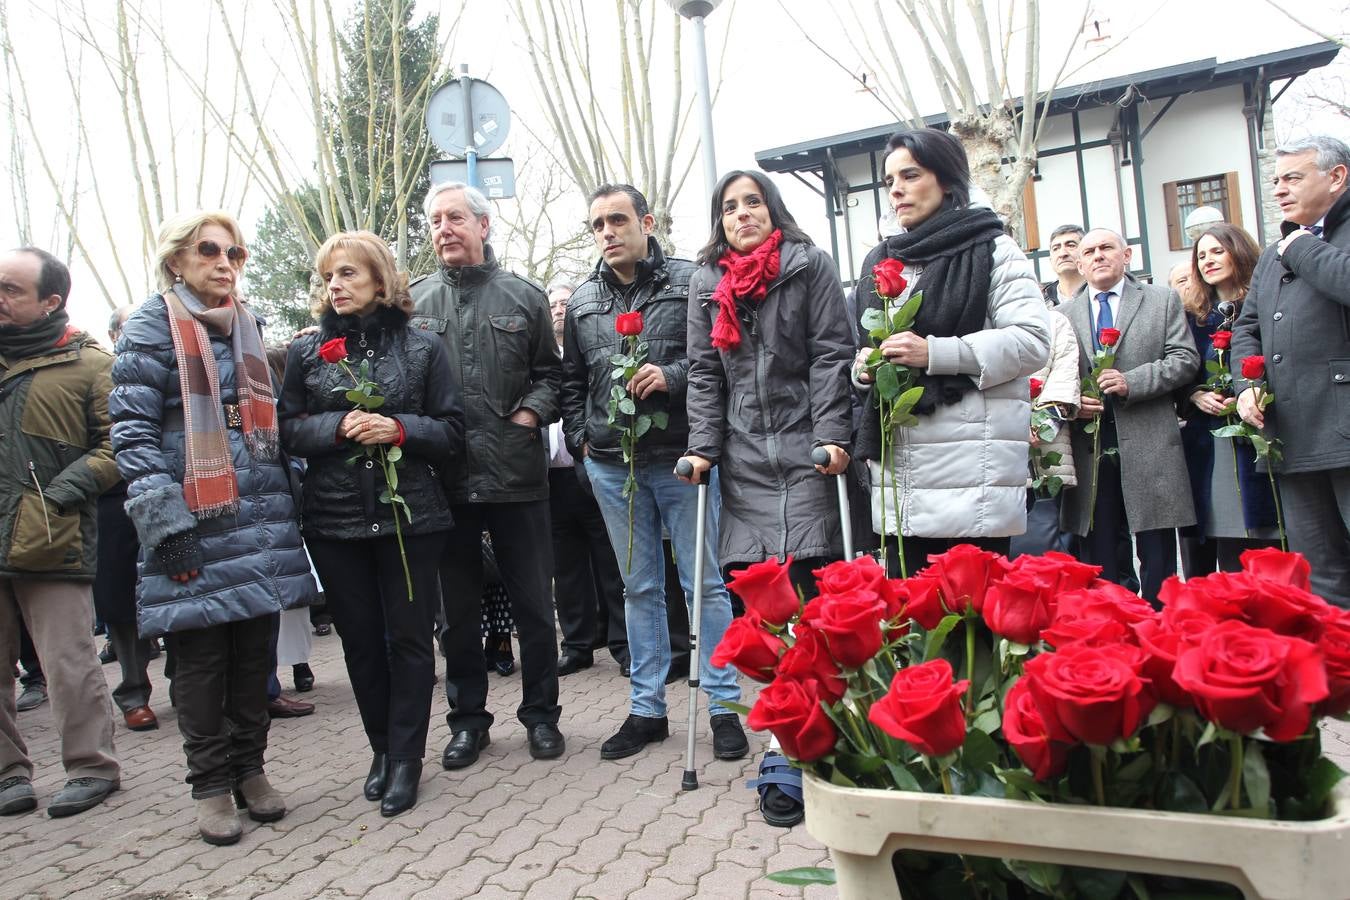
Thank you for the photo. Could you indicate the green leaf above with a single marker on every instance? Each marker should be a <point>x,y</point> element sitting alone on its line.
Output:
<point>1097,884</point>
<point>740,708</point>
<point>627,406</point>
<point>391,478</point>
<point>1178,793</point>
<point>1229,431</point>
<point>373,402</point>
<point>385,498</point>
<point>888,382</point>
<point>619,360</point>
<point>873,318</point>
<point>355,396</point>
<point>979,752</point>
<point>660,419</point>
<point>1256,777</point>
<point>904,779</point>
<point>395,454</point>
<point>988,721</point>
<point>803,876</point>
<point>933,646</point>
<point>641,426</point>
<point>909,398</point>
<point>904,316</point>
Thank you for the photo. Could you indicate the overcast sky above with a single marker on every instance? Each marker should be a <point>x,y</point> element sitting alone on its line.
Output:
<point>776,89</point>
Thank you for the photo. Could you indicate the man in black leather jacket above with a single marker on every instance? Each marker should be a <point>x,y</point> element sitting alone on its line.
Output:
<point>498,332</point>
<point>634,277</point>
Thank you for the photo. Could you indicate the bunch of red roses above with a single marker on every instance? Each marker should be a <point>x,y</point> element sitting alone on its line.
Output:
<point>1036,678</point>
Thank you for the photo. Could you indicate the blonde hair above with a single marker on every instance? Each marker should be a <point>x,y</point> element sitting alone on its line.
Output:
<point>180,231</point>
<point>367,249</point>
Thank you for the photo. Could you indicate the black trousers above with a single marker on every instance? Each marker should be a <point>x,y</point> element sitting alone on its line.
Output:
<point>1217,554</point>
<point>586,578</point>
<point>522,543</point>
<point>387,637</point>
<point>133,656</point>
<point>1156,548</point>
<point>220,686</point>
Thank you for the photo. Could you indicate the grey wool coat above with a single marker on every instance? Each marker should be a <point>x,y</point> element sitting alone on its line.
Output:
<point>1297,314</point>
<point>1157,355</point>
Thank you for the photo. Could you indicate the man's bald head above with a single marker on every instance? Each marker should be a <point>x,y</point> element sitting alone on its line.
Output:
<point>1103,258</point>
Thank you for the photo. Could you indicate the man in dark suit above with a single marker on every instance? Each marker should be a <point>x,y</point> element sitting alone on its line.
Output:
<point>1142,484</point>
<point>1297,315</point>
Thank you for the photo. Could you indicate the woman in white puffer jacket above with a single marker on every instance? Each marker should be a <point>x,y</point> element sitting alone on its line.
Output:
<point>981,331</point>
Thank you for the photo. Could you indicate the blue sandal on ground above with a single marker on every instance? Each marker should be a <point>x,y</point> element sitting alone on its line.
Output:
<point>780,791</point>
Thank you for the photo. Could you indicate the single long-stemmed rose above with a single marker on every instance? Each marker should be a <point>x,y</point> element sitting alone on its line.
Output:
<point>1268,448</point>
<point>894,389</point>
<point>1104,358</point>
<point>1045,423</point>
<point>1220,381</point>
<point>623,411</point>
<point>365,394</point>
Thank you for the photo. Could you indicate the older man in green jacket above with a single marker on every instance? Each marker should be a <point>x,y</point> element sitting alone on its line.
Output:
<point>57,459</point>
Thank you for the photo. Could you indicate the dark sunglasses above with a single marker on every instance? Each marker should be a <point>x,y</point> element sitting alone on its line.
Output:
<point>210,250</point>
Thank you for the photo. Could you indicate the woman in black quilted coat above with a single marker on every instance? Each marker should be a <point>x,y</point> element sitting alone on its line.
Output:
<point>348,519</point>
<point>195,431</point>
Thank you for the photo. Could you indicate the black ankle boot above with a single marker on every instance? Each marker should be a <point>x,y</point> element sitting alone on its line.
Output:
<point>378,777</point>
<point>400,792</point>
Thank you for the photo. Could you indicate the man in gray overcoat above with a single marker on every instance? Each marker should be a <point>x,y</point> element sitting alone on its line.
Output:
<point>1297,315</point>
<point>1142,485</point>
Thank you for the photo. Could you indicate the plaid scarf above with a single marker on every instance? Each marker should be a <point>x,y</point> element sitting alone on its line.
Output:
<point>747,277</point>
<point>209,483</point>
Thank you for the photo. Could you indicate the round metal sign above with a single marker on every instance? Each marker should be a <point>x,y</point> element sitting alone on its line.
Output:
<point>489,117</point>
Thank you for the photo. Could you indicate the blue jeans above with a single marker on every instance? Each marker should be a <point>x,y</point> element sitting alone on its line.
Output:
<point>663,498</point>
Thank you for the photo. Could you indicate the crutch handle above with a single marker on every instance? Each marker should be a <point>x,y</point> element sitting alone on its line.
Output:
<point>820,456</point>
<point>685,469</point>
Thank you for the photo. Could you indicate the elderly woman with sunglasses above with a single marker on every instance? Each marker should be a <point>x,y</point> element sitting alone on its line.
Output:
<point>197,440</point>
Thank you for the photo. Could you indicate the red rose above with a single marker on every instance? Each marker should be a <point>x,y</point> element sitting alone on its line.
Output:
<point>1253,367</point>
<point>1245,678</point>
<point>766,588</point>
<point>965,573</point>
<point>863,573</point>
<point>1222,340</point>
<point>809,660</point>
<point>889,281</point>
<point>792,711</point>
<point>1277,565</point>
<point>1260,602</point>
<point>1018,606</point>
<point>1335,648</point>
<point>1036,387</point>
<point>747,646</point>
<point>923,603</point>
<point>923,708</point>
<point>1026,733</point>
<point>629,324</point>
<point>1162,644</point>
<point>1109,337</point>
<point>1060,570</point>
<point>1101,614</point>
<point>1092,694</point>
<point>850,623</point>
<point>334,351</point>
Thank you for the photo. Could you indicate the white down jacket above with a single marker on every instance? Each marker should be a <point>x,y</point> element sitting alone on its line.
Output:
<point>1060,385</point>
<point>963,469</point>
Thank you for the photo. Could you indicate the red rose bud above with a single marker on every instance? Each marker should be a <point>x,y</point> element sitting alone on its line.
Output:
<point>1036,386</point>
<point>1222,340</point>
<point>1027,735</point>
<point>1109,336</point>
<point>889,281</point>
<point>1245,678</point>
<point>747,646</point>
<point>1277,565</point>
<point>792,711</point>
<point>766,588</point>
<point>809,659</point>
<point>850,624</point>
<point>629,324</point>
<point>334,351</point>
<point>965,573</point>
<point>923,709</point>
<point>1253,367</point>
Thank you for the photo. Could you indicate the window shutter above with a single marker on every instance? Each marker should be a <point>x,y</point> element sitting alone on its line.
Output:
<point>1175,239</point>
<point>1233,199</point>
<point>1031,228</point>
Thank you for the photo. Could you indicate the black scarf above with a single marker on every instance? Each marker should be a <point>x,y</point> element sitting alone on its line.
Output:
<point>956,249</point>
<point>646,268</point>
<point>35,339</point>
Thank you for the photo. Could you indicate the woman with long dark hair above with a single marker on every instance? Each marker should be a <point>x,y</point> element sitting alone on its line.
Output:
<point>769,344</point>
<point>981,330</point>
<point>1234,506</point>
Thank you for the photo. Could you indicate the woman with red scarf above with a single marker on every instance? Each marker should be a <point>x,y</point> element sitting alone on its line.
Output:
<point>769,346</point>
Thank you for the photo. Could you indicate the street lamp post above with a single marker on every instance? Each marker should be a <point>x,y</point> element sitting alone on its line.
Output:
<point>696,11</point>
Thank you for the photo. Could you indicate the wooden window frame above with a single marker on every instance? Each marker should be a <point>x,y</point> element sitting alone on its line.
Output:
<point>1176,227</point>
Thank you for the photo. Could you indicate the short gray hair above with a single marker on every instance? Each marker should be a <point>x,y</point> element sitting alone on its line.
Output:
<point>478,204</point>
<point>1331,152</point>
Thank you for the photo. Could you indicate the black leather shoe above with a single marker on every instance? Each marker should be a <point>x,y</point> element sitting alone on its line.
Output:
<point>571,662</point>
<point>378,777</point>
<point>463,749</point>
<point>546,741</point>
<point>635,733</point>
<point>626,669</point>
<point>728,737</point>
<point>107,654</point>
<point>304,677</point>
<point>80,794</point>
<point>400,795</point>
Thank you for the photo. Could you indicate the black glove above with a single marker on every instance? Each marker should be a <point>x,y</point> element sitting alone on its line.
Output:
<point>180,553</point>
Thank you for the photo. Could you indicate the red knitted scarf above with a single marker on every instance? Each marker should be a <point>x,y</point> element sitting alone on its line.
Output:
<point>747,276</point>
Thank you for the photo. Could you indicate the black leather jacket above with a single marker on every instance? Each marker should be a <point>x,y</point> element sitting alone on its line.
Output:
<point>661,293</point>
<point>341,500</point>
<point>498,335</point>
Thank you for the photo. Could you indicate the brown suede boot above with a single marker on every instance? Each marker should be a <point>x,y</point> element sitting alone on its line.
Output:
<point>264,802</point>
<point>216,820</point>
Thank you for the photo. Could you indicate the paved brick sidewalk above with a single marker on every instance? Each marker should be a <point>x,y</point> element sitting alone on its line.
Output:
<point>508,827</point>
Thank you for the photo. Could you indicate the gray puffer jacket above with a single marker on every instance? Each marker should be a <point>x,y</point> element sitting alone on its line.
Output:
<point>759,410</point>
<point>253,562</point>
